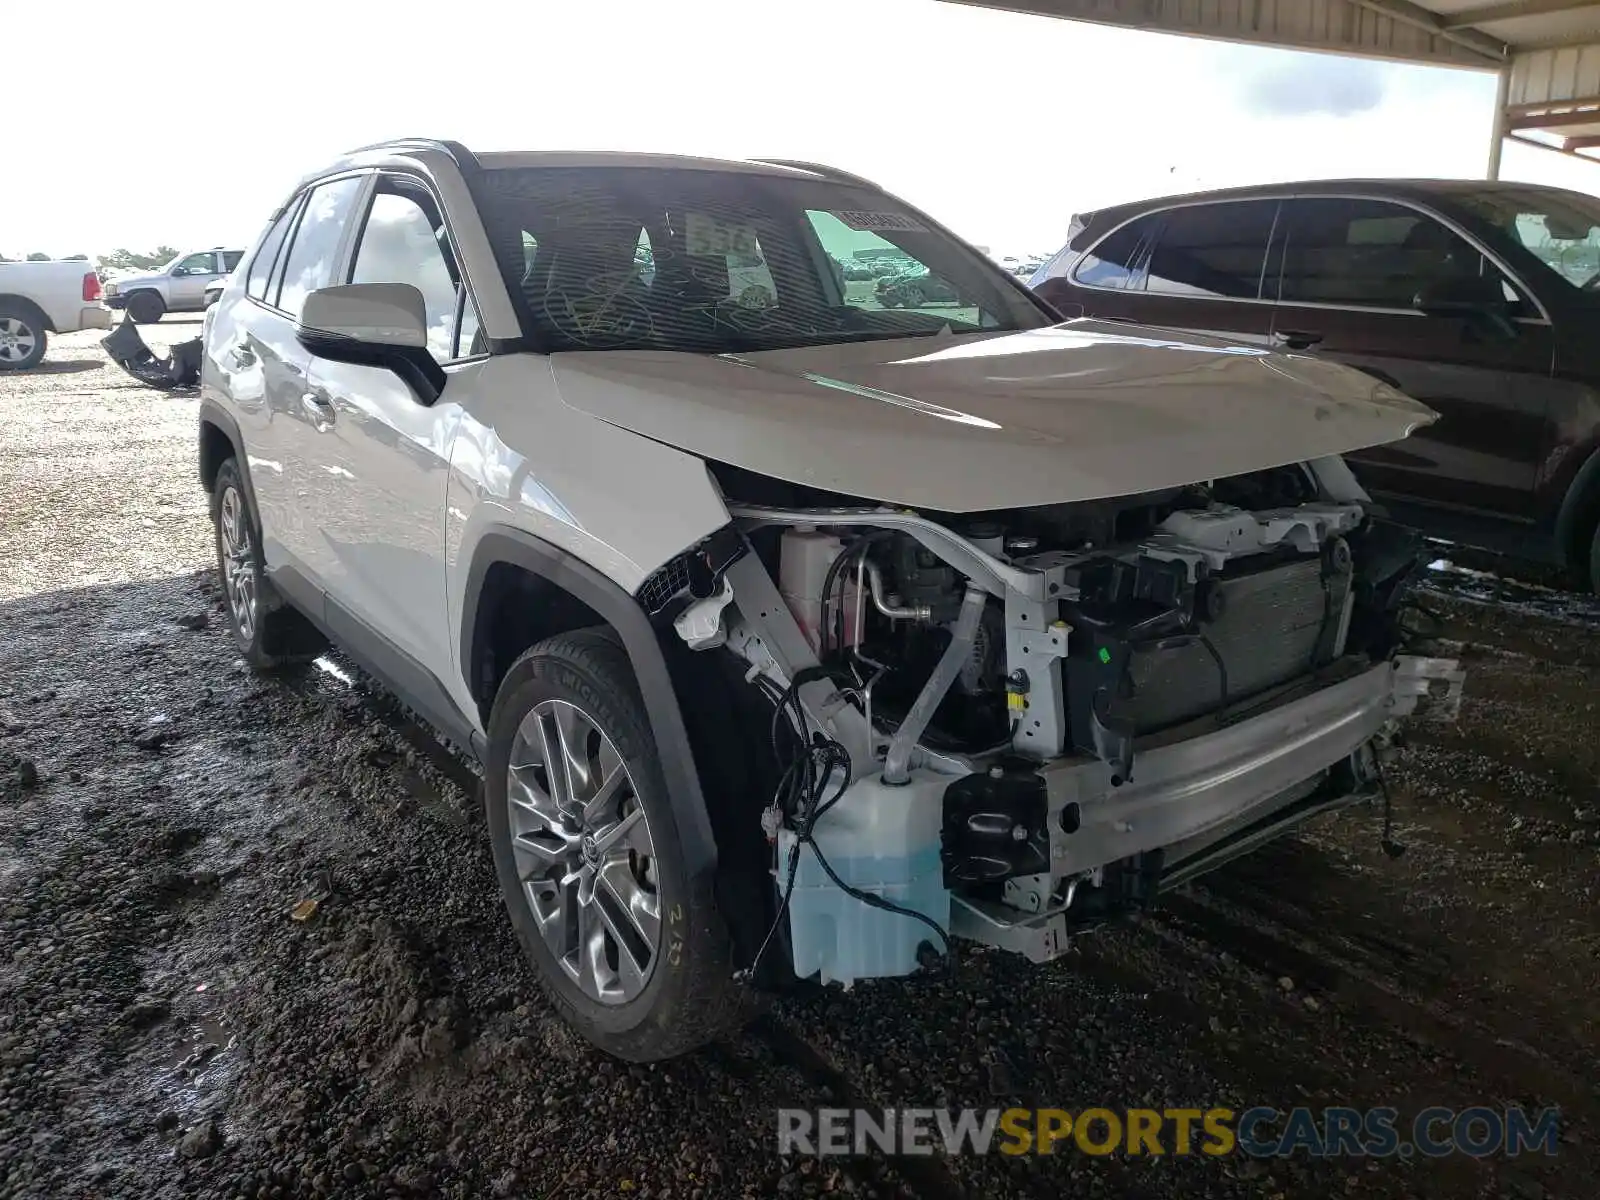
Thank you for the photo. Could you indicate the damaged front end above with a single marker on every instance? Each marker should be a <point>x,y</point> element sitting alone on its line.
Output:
<point>127,349</point>
<point>1006,725</point>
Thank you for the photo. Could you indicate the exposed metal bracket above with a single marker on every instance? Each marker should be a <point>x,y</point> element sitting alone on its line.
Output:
<point>1428,689</point>
<point>1038,938</point>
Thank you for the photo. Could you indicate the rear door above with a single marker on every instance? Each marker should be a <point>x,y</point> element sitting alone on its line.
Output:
<point>292,472</point>
<point>1350,271</point>
<point>1198,267</point>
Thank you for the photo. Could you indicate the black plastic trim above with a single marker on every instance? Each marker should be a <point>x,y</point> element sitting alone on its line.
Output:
<point>401,674</point>
<point>212,413</point>
<point>417,368</point>
<point>628,620</point>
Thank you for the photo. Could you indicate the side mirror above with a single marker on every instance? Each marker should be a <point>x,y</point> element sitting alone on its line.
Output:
<point>177,271</point>
<point>373,325</point>
<point>1480,300</point>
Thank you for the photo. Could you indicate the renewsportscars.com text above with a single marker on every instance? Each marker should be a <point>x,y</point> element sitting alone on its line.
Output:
<point>1260,1132</point>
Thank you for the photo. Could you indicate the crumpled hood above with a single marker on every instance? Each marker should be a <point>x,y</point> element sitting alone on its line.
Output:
<point>1080,411</point>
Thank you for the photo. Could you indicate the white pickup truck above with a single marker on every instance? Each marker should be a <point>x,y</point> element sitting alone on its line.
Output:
<point>41,298</point>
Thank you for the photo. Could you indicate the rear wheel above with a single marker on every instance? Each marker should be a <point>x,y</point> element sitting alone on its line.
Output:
<point>912,297</point>
<point>269,633</point>
<point>22,338</point>
<point>630,950</point>
<point>146,308</point>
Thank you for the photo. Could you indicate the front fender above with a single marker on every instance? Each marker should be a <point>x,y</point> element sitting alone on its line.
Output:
<point>624,615</point>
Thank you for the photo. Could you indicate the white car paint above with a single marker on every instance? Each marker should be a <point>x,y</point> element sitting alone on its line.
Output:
<point>57,289</point>
<point>603,454</point>
<point>1081,411</point>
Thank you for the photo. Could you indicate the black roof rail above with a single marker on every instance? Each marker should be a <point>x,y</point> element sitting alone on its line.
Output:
<point>459,154</point>
<point>822,169</point>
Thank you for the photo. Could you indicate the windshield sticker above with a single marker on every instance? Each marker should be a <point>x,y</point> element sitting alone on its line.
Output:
<point>705,236</point>
<point>874,221</point>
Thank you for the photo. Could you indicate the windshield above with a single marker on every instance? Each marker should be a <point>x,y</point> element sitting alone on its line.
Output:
<point>1562,228</point>
<point>608,258</point>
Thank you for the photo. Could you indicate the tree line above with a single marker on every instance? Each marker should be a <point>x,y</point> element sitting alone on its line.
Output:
<point>118,260</point>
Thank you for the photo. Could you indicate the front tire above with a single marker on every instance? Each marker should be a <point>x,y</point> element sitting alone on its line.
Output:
<point>22,338</point>
<point>268,632</point>
<point>630,950</point>
<point>1594,561</point>
<point>146,308</point>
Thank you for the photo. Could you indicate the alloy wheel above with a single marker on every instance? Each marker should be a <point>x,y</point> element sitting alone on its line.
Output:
<point>583,852</point>
<point>238,561</point>
<point>17,339</point>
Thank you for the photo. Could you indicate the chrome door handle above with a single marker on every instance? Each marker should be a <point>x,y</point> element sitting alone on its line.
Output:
<point>319,409</point>
<point>1296,339</point>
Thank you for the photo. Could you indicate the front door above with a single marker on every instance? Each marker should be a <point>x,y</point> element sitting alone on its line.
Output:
<point>386,454</point>
<point>1198,268</point>
<point>1352,269</point>
<point>186,284</point>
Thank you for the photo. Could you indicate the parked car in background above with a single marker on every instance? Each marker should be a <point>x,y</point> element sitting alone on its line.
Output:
<point>1482,300</point>
<point>41,298</point>
<point>639,547</point>
<point>914,288</point>
<point>180,286</point>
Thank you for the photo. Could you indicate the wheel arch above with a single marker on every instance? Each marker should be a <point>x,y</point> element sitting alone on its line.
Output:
<point>15,301</point>
<point>1580,509</point>
<point>562,592</point>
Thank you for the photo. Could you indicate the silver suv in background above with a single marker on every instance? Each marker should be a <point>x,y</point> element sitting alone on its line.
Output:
<point>180,286</point>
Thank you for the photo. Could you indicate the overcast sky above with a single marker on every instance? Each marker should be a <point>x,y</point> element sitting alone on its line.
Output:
<point>164,122</point>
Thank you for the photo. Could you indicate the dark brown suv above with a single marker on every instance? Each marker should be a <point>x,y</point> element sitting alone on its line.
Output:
<point>1482,300</point>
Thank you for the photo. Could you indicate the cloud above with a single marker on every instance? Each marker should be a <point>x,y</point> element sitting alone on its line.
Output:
<point>1304,85</point>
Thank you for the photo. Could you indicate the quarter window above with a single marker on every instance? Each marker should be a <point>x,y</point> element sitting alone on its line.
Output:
<point>1372,254</point>
<point>1117,263</point>
<point>230,259</point>
<point>1212,250</point>
<point>267,253</point>
<point>312,255</point>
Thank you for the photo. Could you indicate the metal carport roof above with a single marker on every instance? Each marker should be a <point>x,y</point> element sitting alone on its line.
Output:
<point>1547,52</point>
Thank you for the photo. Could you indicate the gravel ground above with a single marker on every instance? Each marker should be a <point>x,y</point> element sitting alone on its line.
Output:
<point>168,1029</point>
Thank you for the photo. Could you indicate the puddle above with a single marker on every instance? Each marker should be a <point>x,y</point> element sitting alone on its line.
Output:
<point>1447,577</point>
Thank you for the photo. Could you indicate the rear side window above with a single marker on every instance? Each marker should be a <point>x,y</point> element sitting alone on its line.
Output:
<point>1117,262</point>
<point>1213,251</point>
<point>312,254</point>
<point>1370,253</point>
<point>230,259</point>
<point>267,253</point>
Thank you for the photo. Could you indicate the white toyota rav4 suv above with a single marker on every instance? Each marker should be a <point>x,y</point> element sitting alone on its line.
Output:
<point>797,639</point>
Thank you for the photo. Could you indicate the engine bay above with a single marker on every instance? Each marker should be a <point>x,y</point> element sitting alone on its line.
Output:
<point>960,704</point>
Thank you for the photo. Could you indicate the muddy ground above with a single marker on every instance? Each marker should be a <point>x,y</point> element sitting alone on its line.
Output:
<point>166,1028</point>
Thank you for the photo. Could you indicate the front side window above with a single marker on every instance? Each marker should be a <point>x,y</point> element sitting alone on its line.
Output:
<point>1117,263</point>
<point>311,261</point>
<point>716,262</point>
<point>1212,251</point>
<point>198,264</point>
<point>1372,254</point>
<point>404,241</point>
<point>1561,228</point>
